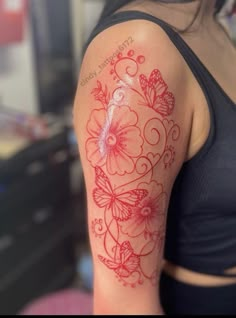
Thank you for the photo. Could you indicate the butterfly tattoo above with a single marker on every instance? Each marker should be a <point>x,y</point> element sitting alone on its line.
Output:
<point>126,263</point>
<point>156,93</point>
<point>120,204</point>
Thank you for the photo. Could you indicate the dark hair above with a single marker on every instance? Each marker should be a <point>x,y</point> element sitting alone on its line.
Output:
<point>113,5</point>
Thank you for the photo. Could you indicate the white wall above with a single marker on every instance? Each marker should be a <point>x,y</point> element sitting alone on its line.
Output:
<point>17,76</point>
<point>92,11</point>
<point>77,7</point>
<point>85,14</point>
<point>17,69</point>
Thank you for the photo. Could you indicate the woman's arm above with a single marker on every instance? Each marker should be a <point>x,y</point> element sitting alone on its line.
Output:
<point>133,126</point>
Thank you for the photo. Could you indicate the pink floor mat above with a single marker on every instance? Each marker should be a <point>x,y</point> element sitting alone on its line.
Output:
<point>68,302</point>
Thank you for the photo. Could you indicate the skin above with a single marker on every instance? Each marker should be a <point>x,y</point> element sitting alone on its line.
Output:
<point>137,121</point>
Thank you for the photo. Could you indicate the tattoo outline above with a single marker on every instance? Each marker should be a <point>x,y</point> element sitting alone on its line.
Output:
<point>134,211</point>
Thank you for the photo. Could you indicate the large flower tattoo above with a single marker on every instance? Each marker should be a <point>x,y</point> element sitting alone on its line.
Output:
<point>147,218</point>
<point>115,139</point>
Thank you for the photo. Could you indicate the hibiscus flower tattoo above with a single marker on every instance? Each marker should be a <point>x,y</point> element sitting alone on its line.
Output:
<point>147,217</point>
<point>112,136</point>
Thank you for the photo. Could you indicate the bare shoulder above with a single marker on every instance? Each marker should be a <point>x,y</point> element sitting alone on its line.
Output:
<point>143,36</point>
<point>136,54</point>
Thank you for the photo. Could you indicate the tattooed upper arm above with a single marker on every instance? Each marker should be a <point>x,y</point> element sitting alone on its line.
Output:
<point>133,130</point>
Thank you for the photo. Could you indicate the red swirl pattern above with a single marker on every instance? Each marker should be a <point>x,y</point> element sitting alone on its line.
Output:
<point>131,221</point>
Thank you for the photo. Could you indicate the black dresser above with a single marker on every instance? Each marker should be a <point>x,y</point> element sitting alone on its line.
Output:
<point>37,223</point>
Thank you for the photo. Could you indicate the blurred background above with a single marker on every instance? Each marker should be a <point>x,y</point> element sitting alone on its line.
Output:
<point>43,230</point>
<point>45,262</point>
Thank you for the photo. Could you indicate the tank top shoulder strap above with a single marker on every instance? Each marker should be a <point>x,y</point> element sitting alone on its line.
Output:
<point>197,67</point>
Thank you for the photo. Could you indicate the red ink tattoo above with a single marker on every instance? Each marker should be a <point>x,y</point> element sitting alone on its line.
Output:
<point>146,218</point>
<point>156,93</point>
<point>120,204</point>
<point>113,134</point>
<point>132,214</point>
<point>126,262</point>
<point>101,95</point>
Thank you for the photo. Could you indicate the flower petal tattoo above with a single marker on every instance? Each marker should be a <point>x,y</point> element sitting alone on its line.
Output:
<point>113,134</point>
<point>121,144</point>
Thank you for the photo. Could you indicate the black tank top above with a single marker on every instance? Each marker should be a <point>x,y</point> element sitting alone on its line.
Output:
<point>201,227</point>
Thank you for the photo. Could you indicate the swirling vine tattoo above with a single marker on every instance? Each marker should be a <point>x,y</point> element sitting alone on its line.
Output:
<point>132,221</point>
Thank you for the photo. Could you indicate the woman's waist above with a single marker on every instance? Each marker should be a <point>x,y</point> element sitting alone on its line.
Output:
<point>195,278</point>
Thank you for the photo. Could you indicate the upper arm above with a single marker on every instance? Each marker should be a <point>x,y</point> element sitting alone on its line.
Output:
<point>133,130</point>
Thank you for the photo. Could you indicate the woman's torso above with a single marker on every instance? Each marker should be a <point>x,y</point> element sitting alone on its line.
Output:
<point>215,51</point>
